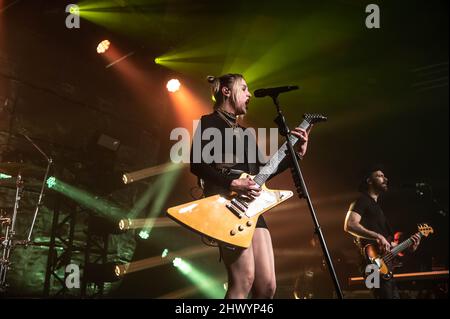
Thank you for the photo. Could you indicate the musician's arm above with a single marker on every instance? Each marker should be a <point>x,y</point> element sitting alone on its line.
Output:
<point>207,172</point>
<point>353,226</point>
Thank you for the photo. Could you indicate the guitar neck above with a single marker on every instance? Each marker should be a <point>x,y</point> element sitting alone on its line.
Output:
<point>272,165</point>
<point>403,245</point>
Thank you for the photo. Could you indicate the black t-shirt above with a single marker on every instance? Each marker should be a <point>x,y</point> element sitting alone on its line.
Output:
<point>372,217</point>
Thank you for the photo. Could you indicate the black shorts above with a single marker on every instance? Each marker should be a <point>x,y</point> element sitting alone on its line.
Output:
<point>261,222</point>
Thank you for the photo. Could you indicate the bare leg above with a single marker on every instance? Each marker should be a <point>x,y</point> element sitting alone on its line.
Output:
<point>264,285</point>
<point>241,271</point>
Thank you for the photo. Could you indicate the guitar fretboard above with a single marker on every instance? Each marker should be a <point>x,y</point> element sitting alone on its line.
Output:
<point>271,166</point>
<point>401,247</point>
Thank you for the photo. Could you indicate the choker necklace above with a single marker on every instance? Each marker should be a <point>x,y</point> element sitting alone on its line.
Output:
<point>229,118</point>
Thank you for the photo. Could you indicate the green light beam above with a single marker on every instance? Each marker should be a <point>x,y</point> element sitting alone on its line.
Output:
<point>86,199</point>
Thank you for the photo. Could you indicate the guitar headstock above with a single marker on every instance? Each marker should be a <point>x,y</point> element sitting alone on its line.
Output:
<point>425,230</point>
<point>314,118</point>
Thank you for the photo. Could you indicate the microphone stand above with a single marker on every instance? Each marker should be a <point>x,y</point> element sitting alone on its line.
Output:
<point>302,191</point>
<point>8,243</point>
<point>41,194</point>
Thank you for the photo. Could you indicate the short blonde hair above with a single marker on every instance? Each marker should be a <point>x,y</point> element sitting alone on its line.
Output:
<point>231,81</point>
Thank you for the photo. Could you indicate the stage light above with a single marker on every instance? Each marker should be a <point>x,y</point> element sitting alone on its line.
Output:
<point>131,177</point>
<point>121,270</point>
<point>51,182</point>
<point>4,176</point>
<point>211,287</point>
<point>155,261</point>
<point>124,224</point>
<point>103,46</point>
<point>98,205</point>
<point>144,223</point>
<point>108,142</point>
<point>99,273</point>
<point>183,266</point>
<point>103,226</point>
<point>173,85</point>
<point>74,10</point>
<point>157,60</point>
<point>144,234</point>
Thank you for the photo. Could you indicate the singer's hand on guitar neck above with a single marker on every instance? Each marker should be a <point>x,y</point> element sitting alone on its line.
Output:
<point>245,186</point>
<point>303,139</point>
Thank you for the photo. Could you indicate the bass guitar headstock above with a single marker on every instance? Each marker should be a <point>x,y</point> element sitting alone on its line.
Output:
<point>425,230</point>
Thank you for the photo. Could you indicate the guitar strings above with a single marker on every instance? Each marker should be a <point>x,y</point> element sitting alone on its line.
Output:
<point>390,256</point>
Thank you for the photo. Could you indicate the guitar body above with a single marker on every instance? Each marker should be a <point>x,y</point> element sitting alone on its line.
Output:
<point>227,219</point>
<point>374,257</point>
<point>385,261</point>
<point>231,219</point>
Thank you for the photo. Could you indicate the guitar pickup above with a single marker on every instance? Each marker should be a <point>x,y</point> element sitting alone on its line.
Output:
<point>241,205</point>
<point>242,201</point>
<point>234,210</point>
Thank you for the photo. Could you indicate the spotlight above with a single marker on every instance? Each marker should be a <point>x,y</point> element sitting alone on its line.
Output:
<point>74,10</point>
<point>177,262</point>
<point>150,171</point>
<point>124,224</point>
<point>99,273</point>
<point>173,85</point>
<point>104,226</point>
<point>143,234</point>
<point>165,253</point>
<point>103,46</point>
<point>51,182</point>
<point>108,142</point>
<point>182,265</point>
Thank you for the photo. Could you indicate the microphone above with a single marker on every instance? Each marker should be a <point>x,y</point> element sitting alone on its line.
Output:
<point>274,91</point>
